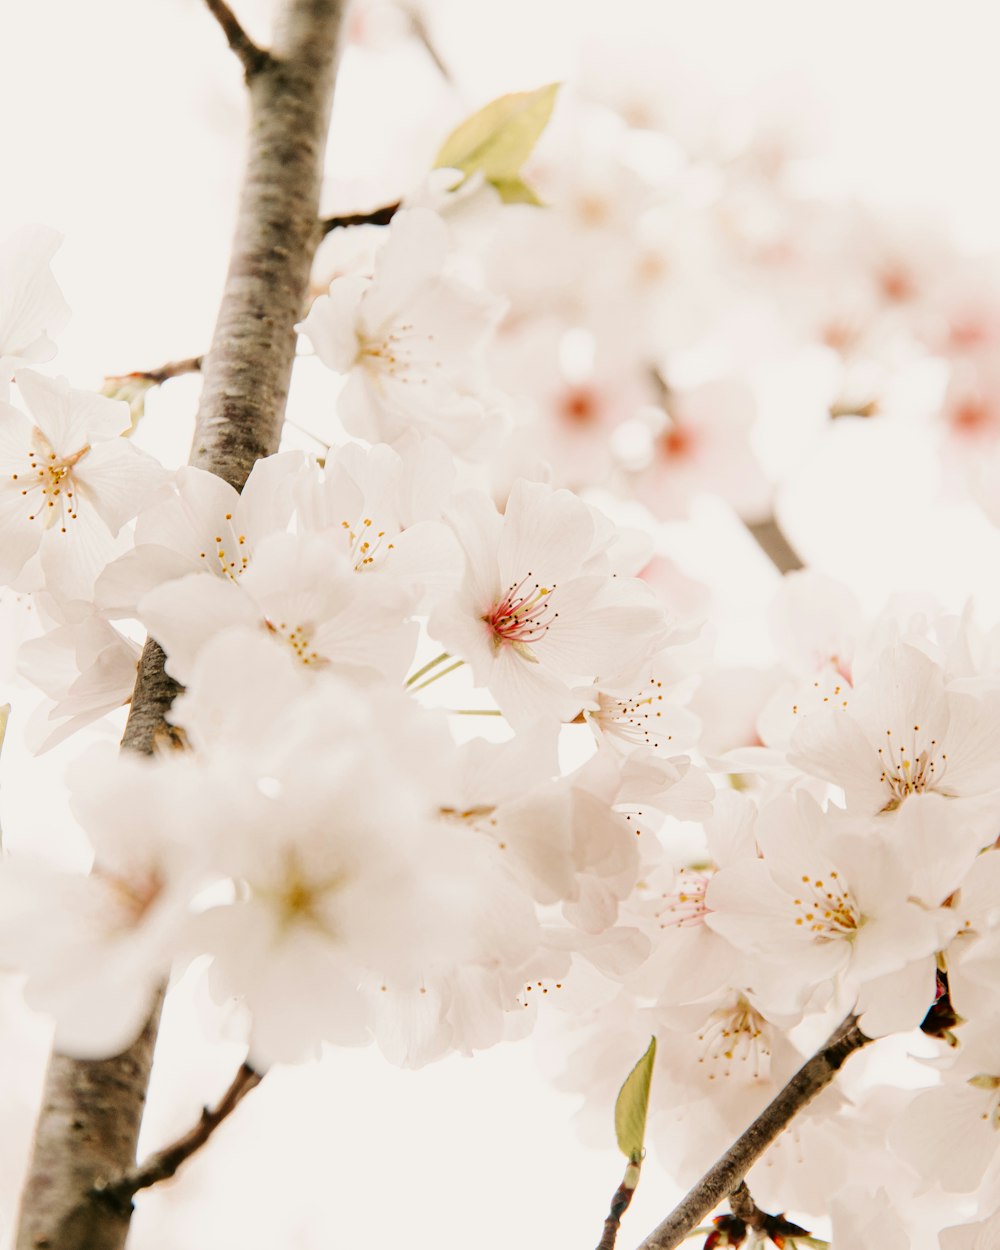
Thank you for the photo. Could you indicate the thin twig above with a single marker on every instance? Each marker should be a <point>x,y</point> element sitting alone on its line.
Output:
<point>162,1165</point>
<point>772,541</point>
<point>376,217</point>
<point>423,36</point>
<point>253,58</point>
<point>175,369</point>
<point>724,1177</point>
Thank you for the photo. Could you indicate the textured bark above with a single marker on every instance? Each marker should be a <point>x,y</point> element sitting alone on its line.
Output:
<point>724,1177</point>
<point>247,371</point>
<point>91,1111</point>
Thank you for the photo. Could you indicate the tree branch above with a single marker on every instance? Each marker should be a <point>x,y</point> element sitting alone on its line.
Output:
<point>90,1113</point>
<point>377,217</point>
<point>253,59</point>
<point>164,1163</point>
<point>724,1177</point>
<point>175,369</point>
<point>772,541</point>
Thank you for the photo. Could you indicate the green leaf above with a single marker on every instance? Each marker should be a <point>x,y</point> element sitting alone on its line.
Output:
<point>630,1109</point>
<point>498,139</point>
<point>514,191</point>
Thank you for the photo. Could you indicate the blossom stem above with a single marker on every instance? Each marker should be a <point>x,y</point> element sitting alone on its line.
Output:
<point>434,676</point>
<point>619,1205</point>
<point>475,711</point>
<point>438,659</point>
<point>725,1176</point>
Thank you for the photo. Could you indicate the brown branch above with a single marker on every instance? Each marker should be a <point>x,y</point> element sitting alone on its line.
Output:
<point>164,1163</point>
<point>90,1112</point>
<point>253,59</point>
<point>724,1177</point>
<point>377,217</point>
<point>772,541</point>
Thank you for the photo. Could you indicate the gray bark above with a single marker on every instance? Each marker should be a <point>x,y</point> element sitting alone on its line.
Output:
<point>91,1110</point>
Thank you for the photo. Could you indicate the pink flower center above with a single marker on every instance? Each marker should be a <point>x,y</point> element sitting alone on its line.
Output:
<point>523,616</point>
<point>579,405</point>
<point>686,906</point>
<point>675,442</point>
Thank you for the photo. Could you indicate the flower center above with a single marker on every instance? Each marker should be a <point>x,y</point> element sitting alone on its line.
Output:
<point>402,353</point>
<point>48,483</point>
<point>636,718</point>
<point>366,542</point>
<point>686,906</point>
<point>522,617</point>
<point>300,899</point>
<point>133,895</point>
<point>298,638</point>
<point>676,441</point>
<point>826,909</point>
<point>736,1034</point>
<point>909,767</point>
<point>230,551</point>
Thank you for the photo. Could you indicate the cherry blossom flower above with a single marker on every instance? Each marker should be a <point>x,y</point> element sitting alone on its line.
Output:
<point>86,668</point>
<point>702,446</point>
<point>67,482</point>
<point>538,608</point>
<point>202,526</point>
<point>385,510</point>
<point>904,733</point>
<point>818,908</point>
<point>97,948</point>
<point>301,592</point>
<point>949,1134</point>
<point>355,899</point>
<point>410,340</point>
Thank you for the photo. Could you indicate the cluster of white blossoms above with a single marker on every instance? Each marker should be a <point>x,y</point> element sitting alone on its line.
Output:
<point>628,846</point>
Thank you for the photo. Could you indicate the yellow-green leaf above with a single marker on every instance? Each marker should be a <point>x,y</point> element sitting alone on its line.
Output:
<point>630,1109</point>
<point>499,138</point>
<point>515,191</point>
<point>4,717</point>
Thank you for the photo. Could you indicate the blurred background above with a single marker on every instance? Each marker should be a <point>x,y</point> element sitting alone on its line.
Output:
<point>124,130</point>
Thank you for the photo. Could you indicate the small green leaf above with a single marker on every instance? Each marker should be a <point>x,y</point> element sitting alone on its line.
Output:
<point>515,191</point>
<point>630,1109</point>
<point>498,139</point>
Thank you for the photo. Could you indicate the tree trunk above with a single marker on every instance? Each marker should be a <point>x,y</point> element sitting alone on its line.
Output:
<point>91,1110</point>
